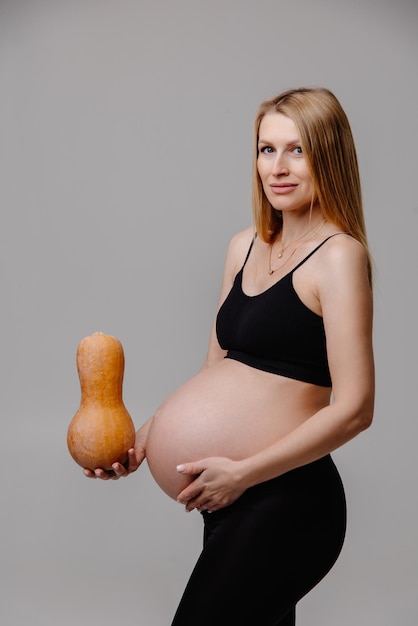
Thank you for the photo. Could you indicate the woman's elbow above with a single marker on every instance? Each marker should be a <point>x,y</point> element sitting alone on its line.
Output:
<point>363,417</point>
<point>357,417</point>
<point>366,420</point>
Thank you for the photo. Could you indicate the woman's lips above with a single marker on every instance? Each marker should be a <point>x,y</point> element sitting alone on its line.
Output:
<point>283,188</point>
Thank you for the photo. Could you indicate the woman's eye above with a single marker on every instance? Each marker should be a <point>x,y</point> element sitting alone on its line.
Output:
<point>297,150</point>
<point>266,150</point>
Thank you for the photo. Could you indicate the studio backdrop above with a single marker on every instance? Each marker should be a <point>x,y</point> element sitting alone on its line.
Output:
<point>125,167</point>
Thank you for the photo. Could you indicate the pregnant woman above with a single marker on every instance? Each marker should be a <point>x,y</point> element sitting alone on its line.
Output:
<point>288,378</point>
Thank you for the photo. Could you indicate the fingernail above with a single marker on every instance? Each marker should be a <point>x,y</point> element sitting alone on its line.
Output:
<point>180,468</point>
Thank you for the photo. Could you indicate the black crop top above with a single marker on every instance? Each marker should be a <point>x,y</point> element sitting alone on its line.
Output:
<point>274,331</point>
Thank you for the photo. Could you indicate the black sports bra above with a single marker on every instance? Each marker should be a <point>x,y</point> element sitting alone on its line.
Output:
<point>274,331</point>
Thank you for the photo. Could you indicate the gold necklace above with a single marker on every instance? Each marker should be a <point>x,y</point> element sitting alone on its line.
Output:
<point>283,248</point>
<point>314,232</point>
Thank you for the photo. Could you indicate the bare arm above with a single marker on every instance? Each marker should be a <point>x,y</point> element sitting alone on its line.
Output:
<point>347,309</point>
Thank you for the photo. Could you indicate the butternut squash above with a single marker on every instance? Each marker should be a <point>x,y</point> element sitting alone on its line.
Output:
<point>102,431</point>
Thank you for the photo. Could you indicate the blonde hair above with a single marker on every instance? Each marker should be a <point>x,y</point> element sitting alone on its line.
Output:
<point>328,146</point>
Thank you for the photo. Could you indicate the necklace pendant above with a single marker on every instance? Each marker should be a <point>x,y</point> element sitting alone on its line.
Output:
<point>270,272</point>
<point>280,255</point>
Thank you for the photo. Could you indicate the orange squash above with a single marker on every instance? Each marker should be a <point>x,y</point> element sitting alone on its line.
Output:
<point>102,431</point>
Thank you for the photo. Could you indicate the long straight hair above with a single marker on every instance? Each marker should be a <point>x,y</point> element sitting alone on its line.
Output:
<point>328,145</point>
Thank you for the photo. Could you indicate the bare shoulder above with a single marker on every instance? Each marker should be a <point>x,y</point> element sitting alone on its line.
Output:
<point>343,265</point>
<point>344,243</point>
<point>239,245</point>
<point>242,239</point>
<point>342,252</point>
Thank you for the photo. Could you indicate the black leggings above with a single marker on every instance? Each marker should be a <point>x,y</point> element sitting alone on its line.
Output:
<point>263,553</point>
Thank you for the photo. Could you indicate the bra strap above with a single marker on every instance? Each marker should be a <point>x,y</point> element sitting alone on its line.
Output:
<point>249,250</point>
<point>315,249</point>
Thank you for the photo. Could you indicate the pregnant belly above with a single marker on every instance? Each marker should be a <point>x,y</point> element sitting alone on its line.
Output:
<point>227,410</point>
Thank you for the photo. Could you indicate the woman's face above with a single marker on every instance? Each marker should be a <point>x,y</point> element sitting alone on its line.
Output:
<point>282,166</point>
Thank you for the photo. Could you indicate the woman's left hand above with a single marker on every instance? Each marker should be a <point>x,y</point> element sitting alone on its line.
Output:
<point>218,483</point>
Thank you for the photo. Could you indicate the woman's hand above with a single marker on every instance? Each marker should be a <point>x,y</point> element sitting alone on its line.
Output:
<point>135,457</point>
<point>118,470</point>
<point>218,484</point>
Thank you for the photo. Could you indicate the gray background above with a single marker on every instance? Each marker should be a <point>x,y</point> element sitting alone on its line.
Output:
<point>125,158</point>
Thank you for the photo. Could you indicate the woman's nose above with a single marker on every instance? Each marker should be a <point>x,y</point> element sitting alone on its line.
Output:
<point>279,166</point>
